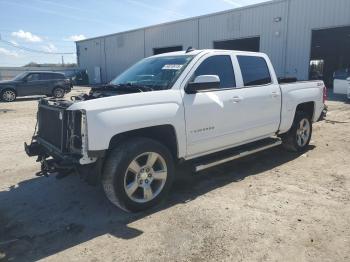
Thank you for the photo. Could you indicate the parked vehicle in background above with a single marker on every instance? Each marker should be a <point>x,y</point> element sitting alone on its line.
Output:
<point>204,107</point>
<point>51,84</point>
<point>77,76</point>
<point>341,82</point>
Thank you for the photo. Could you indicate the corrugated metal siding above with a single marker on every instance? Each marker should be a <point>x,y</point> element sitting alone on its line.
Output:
<point>91,54</point>
<point>288,42</point>
<point>257,21</point>
<point>304,17</point>
<point>184,33</point>
<point>122,51</point>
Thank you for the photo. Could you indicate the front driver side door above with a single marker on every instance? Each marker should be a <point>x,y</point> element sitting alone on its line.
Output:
<point>31,86</point>
<point>209,114</point>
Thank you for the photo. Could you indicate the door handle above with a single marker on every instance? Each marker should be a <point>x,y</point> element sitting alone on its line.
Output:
<point>237,99</point>
<point>275,94</point>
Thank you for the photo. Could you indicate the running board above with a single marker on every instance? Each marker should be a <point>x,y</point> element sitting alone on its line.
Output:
<point>238,152</point>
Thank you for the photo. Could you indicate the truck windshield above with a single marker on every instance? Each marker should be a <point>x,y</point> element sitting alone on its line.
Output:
<point>157,73</point>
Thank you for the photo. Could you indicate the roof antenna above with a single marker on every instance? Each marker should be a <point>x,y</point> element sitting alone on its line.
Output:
<point>189,49</point>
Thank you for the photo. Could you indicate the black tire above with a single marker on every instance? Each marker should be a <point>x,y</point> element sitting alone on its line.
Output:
<point>8,95</point>
<point>291,140</point>
<point>116,171</point>
<point>58,92</point>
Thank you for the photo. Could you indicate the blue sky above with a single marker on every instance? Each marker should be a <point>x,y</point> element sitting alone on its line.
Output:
<point>52,26</point>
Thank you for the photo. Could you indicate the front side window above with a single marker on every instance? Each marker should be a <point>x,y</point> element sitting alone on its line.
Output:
<point>254,70</point>
<point>33,77</point>
<point>220,65</point>
<point>157,73</point>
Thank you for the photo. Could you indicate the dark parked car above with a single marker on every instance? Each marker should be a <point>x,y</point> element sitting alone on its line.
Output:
<point>35,83</point>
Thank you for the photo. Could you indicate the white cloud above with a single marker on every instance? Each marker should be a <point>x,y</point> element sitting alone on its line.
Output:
<point>7,52</point>
<point>26,36</point>
<point>75,38</point>
<point>232,2</point>
<point>49,48</point>
<point>13,42</point>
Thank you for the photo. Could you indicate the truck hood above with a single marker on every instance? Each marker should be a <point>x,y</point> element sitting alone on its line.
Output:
<point>127,100</point>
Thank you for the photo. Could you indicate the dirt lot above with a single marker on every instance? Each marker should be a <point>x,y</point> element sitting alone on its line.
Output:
<point>273,206</point>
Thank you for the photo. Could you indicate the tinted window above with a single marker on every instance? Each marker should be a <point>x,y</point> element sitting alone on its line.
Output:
<point>57,76</point>
<point>254,70</point>
<point>220,65</point>
<point>342,74</point>
<point>45,77</point>
<point>33,77</point>
<point>50,76</point>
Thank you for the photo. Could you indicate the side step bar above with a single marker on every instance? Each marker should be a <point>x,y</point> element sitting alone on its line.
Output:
<point>238,153</point>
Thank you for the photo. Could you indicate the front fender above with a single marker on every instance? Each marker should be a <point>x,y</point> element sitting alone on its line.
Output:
<point>107,117</point>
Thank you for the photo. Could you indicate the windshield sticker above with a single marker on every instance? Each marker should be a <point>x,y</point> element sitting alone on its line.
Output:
<point>172,67</point>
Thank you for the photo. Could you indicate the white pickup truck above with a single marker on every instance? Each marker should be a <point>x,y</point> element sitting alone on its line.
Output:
<point>205,107</point>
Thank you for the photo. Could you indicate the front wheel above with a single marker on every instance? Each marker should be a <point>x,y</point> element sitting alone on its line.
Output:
<point>299,136</point>
<point>138,174</point>
<point>8,95</point>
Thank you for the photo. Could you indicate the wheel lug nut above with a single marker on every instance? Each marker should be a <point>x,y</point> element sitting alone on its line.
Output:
<point>149,175</point>
<point>140,182</point>
<point>147,170</point>
<point>146,181</point>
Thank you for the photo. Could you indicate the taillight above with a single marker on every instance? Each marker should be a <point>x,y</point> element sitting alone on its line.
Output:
<point>324,94</point>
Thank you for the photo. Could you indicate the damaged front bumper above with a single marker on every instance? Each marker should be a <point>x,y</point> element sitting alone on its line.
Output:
<point>60,142</point>
<point>54,162</point>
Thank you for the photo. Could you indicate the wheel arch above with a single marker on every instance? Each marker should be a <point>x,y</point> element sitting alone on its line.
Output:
<point>307,107</point>
<point>9,88</point>
<point>165,134</point>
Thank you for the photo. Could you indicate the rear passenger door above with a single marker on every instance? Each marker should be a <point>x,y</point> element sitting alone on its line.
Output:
<point>48,80</point>
<point>259,97</point>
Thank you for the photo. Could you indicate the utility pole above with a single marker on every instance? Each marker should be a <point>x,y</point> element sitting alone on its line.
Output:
<point>62,61</point>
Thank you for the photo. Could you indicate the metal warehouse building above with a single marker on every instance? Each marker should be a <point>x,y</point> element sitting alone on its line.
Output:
<point>304,38</point>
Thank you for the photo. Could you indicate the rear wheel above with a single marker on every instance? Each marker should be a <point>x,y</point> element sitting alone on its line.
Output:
<point>8,95</point>
<point>58,92</point>
<point>299,136</point>
<point>138,174</point>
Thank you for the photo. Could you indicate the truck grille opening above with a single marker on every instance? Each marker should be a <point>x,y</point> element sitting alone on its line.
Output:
<point>52,126</point>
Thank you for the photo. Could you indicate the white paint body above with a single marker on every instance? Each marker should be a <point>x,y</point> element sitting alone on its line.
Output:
<point>342,87</point>
<point>230,117</point>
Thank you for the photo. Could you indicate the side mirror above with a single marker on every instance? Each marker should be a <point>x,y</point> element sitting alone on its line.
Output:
<point>203,83</point>
<point>348,79</point>
<point>24,80</point>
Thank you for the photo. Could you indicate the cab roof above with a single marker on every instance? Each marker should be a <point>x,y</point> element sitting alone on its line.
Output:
<point>199,51</point>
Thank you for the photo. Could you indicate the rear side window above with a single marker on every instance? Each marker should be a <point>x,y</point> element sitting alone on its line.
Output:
<point>51,76</point>
<point>220,65</point>
<point>45,76</point>
<point>254,70</point>
<point>57,76</point>
<point>342,74</point>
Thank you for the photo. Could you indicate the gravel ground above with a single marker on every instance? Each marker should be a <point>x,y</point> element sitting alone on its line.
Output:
<point>273,206</point>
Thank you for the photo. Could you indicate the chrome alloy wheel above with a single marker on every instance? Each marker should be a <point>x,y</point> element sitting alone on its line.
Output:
<point>145,177</point>
<point>303,132</point>
<point>8,96</point>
